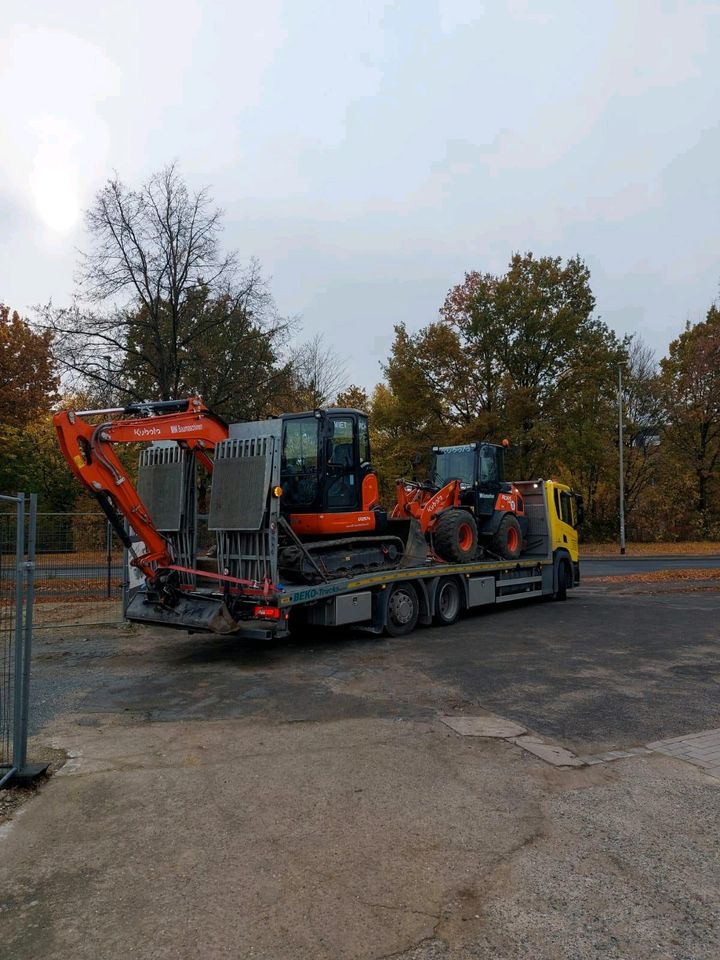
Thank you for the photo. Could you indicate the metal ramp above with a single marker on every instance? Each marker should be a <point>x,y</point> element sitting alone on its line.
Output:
<point>244,513</point>
<point>167,487</point>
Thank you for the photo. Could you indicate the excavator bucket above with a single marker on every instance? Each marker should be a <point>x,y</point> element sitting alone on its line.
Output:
<point>194,613</point>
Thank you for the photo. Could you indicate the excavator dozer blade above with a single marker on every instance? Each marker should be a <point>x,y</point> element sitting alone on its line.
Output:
<point>195,613</point>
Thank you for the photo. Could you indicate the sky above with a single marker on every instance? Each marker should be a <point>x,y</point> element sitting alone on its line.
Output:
<point>369,154</point>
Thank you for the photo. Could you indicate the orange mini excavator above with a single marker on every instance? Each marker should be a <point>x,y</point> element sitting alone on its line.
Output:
<point>330,521</point>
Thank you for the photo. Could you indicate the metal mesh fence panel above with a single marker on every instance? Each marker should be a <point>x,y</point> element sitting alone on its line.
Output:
<point>17,553</point>
<point>79,569</point>
<point>8,619</point>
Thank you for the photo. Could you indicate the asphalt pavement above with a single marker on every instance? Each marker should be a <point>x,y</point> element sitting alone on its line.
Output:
<point>591,566</point>
<point>617,566</point>
<point>603,671</point>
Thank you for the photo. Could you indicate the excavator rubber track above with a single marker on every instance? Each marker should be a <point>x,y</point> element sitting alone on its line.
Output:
<point>403,545</point>
<point>334,559</point>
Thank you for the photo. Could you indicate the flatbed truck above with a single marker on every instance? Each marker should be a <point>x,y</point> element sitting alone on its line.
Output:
<point>396,601</point>
<point>299,532</point>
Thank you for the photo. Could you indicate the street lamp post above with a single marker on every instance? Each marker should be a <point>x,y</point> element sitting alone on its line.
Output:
<point>621,461</point>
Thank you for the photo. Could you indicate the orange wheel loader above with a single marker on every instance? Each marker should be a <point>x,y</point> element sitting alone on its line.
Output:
<point>466,507</point>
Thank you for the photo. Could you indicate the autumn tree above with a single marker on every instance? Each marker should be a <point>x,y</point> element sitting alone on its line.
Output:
<point>518,356</point>
<point>690,381</point>
<point>28,379</point>
<point>643,417</point>
<point>234,366</point>
<point>579,426</point>
<point>32,461</point>
<point>520,330</point>
<point>162,310</point>
<point>31,458</point>
<point>405,414</point>
<point>394,443</point>
<point>353,398</point>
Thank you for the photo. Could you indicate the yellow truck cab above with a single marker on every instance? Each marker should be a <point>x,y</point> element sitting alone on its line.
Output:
<point>565,514</point>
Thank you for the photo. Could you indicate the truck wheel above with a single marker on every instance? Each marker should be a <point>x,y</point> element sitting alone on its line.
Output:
<point>455,537</point>
<point>507,541</point>
<point>403,609</point>
<point>448,602</point>
<point>561,592</point>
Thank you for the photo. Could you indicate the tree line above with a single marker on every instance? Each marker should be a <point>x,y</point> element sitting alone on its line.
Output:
<point>162,311</point>
<point>524,357</point>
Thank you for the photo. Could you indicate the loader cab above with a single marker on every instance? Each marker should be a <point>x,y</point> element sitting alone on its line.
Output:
<point>480,467</point>
<point>325,457</point>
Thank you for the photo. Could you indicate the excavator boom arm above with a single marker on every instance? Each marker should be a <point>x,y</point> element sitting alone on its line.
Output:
<point>87,447</point>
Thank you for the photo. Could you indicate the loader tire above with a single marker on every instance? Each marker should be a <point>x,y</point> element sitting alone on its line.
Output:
<point>455,538</point>
<point>507,541</point>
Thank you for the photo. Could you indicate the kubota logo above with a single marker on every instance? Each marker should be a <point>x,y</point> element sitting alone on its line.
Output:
<point>147,431</point>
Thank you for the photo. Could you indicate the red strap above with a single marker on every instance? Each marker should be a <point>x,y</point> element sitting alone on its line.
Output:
<point>267,586</point>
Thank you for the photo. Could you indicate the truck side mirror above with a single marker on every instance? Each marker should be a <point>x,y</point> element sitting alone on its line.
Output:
<point>579,511</point>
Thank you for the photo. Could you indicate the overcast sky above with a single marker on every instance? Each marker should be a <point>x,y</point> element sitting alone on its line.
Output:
<point>370,153</point>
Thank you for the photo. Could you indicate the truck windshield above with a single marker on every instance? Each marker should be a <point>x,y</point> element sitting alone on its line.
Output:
<point>453,463</point>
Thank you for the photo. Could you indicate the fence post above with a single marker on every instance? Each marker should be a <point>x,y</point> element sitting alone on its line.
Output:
<point>29,566</point>
<point>108,544</point>
<point>19,632</point>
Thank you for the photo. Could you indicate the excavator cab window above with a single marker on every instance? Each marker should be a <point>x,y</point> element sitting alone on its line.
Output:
<point>299,466</point>
<point>325,456</point>
<point>363,441</point>
<point>341,467</point>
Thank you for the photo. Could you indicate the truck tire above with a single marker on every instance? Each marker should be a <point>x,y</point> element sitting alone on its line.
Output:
<point>507,540</point>
<point>403,610</point>
<point>455,537</point>
<point>562,581</point>
<point>448,602</point>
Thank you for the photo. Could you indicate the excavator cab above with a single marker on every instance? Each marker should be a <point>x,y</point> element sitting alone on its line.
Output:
<point>328,484</point>
<point>331,522</point>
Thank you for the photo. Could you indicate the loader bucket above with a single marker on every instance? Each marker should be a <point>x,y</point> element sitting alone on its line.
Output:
<point>415,553</point>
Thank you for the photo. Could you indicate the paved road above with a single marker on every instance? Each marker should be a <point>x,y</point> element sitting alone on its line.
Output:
<point>617,566</point>
<point>592,567</point>
<point>602,671</point>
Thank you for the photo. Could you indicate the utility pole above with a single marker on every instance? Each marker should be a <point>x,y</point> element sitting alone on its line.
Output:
<point>621,459</point>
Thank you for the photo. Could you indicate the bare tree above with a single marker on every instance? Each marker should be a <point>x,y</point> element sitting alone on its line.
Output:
<point>318,374</point>
<point>161,309</point>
